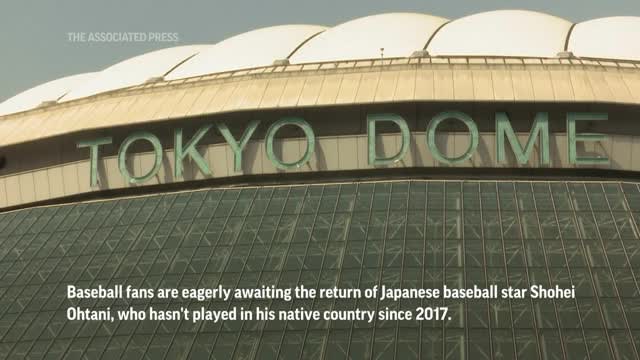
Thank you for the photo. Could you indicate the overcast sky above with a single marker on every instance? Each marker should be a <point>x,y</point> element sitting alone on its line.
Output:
<point>36,46</point>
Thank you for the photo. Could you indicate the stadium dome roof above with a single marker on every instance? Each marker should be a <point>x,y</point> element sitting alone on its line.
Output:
<point>252,49</point>
<point>48,92</point>
<point>392,35</point>
<point>607,38</point>
<point>504,33</point>
<point>135,71</point>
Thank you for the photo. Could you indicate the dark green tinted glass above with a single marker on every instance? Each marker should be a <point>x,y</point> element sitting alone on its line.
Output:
<point>397,233</point>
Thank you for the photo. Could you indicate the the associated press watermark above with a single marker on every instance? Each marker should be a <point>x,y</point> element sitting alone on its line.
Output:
<point>121,37</point>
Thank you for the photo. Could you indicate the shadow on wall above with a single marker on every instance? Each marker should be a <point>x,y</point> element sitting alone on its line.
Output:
<point>103,179</point>
<point>168,174</point>
<point>321,158</point>
<point>249,157</point>
<point>415,152</point>
<point>484,153</point>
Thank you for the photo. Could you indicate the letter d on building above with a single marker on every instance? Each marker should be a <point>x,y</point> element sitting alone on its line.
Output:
<point>374,160</point>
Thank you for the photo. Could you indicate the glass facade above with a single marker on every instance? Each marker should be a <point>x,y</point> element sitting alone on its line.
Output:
<point>401,234</point>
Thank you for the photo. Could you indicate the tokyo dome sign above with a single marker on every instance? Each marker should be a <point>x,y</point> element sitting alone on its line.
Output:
<point>187,149</point>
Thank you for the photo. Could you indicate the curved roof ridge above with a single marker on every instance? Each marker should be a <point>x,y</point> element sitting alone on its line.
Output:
<point>255,48</point>
<point>399,34</point>
<point>135,70</point>
<point>434,34</point>
<point>50,91</point>
<point>304,42</point>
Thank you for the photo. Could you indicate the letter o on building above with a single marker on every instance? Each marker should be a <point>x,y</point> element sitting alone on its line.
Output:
<point>122,156</point>
<point>308,133</point>
<point>431,136</point>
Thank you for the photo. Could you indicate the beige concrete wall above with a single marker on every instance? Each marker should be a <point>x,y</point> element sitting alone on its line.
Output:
<point>332,84</point>
<point>347,152</point>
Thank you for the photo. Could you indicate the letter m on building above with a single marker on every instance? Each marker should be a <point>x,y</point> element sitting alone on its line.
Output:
<point>540,129</point>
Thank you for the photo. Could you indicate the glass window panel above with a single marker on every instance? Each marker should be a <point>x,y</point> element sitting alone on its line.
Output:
<point>597,345</point>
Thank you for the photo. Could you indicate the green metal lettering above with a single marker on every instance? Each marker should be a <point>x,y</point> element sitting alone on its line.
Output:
<point>540,128</point>
<point>122,155</point>
<point>191,150</point>
<point>374,160</point>
<point>308,133</point>
<point>236,146</point>
<point>93,146</point>
<point>431,136</point>
<point>573,138</point>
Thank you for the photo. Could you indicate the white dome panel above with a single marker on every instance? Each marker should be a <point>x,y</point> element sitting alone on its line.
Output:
<point>607,38</point>
<point>135,71</point>
<point>51,91</point>
<point>399,34</point>
<point>252,49</point>
<point>502,33</point>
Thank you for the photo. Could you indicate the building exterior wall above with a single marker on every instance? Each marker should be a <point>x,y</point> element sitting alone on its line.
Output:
<point>55,167</point>
<point>354,234</point>
<point>333,153</point>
